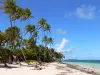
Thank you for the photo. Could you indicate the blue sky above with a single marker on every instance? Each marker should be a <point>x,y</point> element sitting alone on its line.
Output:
<point>75,25</point>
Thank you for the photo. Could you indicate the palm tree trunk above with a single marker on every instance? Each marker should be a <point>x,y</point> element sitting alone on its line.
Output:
<point>37,57</point>
<point>22,51</point>
<point>24,56</point>
<point>42,37</point>
<point>14,22</point>
<point>5,64</point>
<point>5,61</point>
<point>12,32</point>
<point>10,20</point>
<point>44,43</point>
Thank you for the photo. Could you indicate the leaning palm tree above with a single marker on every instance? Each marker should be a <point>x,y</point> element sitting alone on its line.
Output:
<point>31,29</point>
<point>44,26</point>
<point>47,29</point>
<point>14,11</point>
<point>9,7</point>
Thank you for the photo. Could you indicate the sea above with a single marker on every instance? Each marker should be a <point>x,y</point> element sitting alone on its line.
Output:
<point>88,63</point>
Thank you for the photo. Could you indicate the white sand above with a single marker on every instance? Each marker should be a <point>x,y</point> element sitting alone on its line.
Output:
<point>51,69</point>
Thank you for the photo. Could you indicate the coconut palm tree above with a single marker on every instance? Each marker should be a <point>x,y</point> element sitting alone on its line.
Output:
<point>42,23</point>
<point>9,7</point>
<point>44,26</point>
<point>33,34</point>
<point>15,12</point>
<point>31,29</point>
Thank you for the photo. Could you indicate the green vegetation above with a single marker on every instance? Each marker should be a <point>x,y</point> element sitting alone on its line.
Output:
<point>12,41</point>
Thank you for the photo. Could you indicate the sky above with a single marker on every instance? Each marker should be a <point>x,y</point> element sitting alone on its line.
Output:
<point>75,25</point>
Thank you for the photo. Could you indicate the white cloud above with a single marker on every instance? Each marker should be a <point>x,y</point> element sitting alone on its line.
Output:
<point>61,31</point>
<point>65,50</point>
<point>86,12</point>
<point>68,50</point>
<point>61,46</point>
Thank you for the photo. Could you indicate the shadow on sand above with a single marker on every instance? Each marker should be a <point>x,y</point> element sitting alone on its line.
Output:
<point>65,69</point>
<point>8,67</point>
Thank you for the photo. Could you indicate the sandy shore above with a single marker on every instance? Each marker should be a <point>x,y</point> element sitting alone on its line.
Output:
<point>91,67</point>
<point>51,69</point>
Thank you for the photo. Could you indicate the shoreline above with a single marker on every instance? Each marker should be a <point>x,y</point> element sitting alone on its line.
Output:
<point>84,68</point>
<point>54,68</point>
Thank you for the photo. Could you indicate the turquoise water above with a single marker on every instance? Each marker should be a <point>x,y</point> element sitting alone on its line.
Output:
<point>93,63</point>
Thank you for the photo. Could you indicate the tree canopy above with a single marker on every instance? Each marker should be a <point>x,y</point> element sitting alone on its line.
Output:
<point>13,43</point>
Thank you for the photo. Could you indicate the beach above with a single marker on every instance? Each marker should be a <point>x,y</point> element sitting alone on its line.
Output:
<point>54,68</point>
